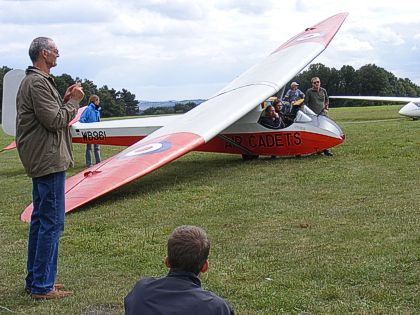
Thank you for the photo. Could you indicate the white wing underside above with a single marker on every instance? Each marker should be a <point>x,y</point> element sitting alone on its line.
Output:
<point>398,99</point>
<point>243,94</point>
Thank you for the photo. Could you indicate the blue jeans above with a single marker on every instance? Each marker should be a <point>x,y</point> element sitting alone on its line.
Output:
<point>47,225</point>
<point>97,152</point>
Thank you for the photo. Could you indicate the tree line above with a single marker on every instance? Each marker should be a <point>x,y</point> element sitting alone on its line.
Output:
<point>369,80</point>
<point>178,108</point>
<point>113,103</point>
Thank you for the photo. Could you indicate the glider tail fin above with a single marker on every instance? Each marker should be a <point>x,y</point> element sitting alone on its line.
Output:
<point>11,83</point>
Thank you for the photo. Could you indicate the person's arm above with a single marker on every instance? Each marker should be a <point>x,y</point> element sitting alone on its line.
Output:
<point>266,122</point>
<point>50,112</point>
<point>301,94</point>
<point>277,122</point>
<point>327,100</point>
<point>287,96</point>
<point>306,100</point>
<point>84,118</point>
<point>92,116</point>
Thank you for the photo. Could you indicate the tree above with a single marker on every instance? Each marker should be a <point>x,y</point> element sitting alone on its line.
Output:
<point>374,81</point>
<point>63,82</point>
<point>189,106</point>
<point>130,104</point>
<point>89,88</point>
<point>108,102</point>
<point>159,110</point>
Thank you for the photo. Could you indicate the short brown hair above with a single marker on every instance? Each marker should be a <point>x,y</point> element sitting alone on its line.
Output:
<point>188,248</point>
<point>93,98</point>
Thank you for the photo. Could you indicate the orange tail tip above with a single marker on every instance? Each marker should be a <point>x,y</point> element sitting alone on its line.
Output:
<point>9,147</point>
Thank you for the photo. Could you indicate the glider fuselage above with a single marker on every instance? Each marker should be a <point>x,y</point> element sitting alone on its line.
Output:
<point>245,137</point>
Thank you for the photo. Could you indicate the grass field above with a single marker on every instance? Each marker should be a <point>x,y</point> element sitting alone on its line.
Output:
<point>312,235</point>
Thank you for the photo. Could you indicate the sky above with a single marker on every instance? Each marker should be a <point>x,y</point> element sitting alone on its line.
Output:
<point>188,49</point>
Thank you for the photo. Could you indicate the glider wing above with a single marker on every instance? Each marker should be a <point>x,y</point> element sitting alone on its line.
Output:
<point>398,99</point>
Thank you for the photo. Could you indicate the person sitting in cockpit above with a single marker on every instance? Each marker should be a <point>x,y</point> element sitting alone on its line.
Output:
<point>278,107</point>
<point>271,119</point>
<point>285,117</point>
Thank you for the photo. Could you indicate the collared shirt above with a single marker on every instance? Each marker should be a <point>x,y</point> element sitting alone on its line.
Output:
<point>179,292</point>
<point>293,95</point>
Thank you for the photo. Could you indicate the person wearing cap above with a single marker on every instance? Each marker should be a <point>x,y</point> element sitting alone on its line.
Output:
<point>293,95</point>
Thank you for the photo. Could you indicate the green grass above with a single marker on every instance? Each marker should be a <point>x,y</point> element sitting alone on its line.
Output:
<point>314,235</point>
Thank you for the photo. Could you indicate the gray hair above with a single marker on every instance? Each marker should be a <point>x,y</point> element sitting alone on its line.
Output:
<point>37,45</point>
<point>315,79</point>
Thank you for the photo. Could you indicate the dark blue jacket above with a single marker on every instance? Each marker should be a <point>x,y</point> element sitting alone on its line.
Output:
<point>90,114</point>
<point>179,292</point>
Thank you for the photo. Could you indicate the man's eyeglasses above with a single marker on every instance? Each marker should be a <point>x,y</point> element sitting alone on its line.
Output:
<point>55,51</point>
<point>315,82</point>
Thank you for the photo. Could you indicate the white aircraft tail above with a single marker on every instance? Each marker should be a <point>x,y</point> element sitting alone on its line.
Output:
<point>11,83</point>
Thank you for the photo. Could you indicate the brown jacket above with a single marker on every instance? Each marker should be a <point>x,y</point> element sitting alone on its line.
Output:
<point>43,137</point>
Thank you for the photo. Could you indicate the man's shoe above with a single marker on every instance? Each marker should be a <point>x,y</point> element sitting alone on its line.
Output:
<point>57,286</point>
<point>53,294</point>
<point>327,153</point>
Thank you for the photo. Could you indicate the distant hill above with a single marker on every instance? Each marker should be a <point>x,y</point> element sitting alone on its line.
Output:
<point>146,104</point>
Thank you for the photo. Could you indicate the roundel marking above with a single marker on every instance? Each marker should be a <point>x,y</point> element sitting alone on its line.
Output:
<point>310,36</point>
<point>149,148</point>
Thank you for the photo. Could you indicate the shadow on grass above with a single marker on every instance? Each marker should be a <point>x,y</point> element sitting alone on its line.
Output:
<point>176,174</point>
<point>170,176</point>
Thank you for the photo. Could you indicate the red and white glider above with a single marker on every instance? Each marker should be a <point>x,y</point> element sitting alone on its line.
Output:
<point>227,122</point>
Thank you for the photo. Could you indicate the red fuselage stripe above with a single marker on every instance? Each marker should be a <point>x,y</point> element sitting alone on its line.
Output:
<point>264,143</point>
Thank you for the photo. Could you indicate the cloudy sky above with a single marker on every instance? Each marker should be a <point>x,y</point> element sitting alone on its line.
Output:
<point>186,49</point>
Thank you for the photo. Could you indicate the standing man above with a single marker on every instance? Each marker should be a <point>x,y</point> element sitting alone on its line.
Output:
<point>180,291</point>
<point>89,115</point>
<point>44,145</point>
<point>316,98</point>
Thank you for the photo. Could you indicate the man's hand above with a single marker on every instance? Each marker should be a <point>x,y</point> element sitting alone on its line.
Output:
<point>75,92</point>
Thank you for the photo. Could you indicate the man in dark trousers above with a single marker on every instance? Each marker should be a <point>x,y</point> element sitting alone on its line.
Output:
<point>180,291</point>
<point>316,98</point>
<point>43,142</point>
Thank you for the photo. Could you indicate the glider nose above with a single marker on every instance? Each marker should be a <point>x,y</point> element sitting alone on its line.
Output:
<point>410,110</point>
<point>330,126</point>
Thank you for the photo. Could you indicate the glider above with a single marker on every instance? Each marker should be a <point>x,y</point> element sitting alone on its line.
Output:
<point>412,109</point>
<point>226,123</point>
